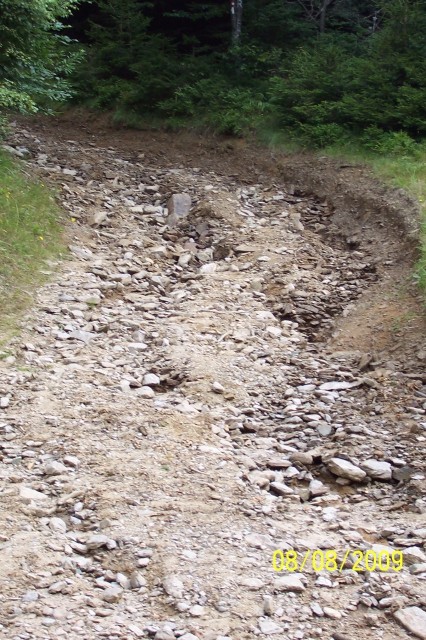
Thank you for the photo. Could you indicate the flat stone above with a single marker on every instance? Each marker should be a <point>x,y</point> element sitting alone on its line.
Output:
<point>281,489</point>
<point>269,627</point>
<point>291,582</point>
<point>253,584</point>
<point>345,469</point>
<point>413,555</point>
<point>337,386</point>
<point>413,619</point>
<point>28,495</point>
<point>377,469</point>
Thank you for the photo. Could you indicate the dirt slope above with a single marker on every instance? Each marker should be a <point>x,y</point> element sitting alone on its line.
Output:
<point>184,400</point>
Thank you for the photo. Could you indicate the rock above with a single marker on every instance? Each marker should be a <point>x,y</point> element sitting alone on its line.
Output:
<point>269,627</point>
<point>98,541</point>
<point>164,634</point>
<point>112,594</point>
<point>83,336</point>
<point>98,218</point>
<point>173,586</point>
<point>337,386</point>
<point>217,387</point>
<point>418,569</point>
<point>291,582</point>
<point>281,489</point>
<point>197,611</point>
<point>324,429</point>
<point>316,609</point>
<point>54,468</point>
<point>58,525</point>
<point>151,379</point>
<point>413,619</point>
<point>377,470</point>
<point>210,267</point>
<point>137,580</point>
<point>4,402</point>
<point>72,461</point>
<point>179,205</point>
<point>28,495</point>
<point>253,584</point>
<point>302,457</point>
<point>268,605</point>
<point>413,555</point>
<point>317,488</point>
<point>145,392</point>
<point>344,469</point>
<point>332,613</point>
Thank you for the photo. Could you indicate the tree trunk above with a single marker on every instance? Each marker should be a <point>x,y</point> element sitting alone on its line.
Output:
<point>323,13</point>
<point>237,20</point>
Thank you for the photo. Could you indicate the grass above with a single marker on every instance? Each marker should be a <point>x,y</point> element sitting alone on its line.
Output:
<point>30,235</point>
<point>404,169</point>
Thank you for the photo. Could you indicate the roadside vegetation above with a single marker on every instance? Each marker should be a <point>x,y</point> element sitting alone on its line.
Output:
<point>30,236</point>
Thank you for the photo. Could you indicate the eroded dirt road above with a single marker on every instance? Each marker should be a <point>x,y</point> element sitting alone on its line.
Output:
<point>182,401</point>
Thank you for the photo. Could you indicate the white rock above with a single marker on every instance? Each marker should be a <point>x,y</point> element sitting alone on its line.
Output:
<point>54,468</point>
<point>269,627</point>
<point>282,489</point>
<point>291,582</point>
<point>332,613</point>
<point>345,469</point>
<point>58,525</point>
<point>217,387</point>
<point>98,218</point>
<point>317,488</point>
<point>377,469</point>
<point>197,611</point>
<point>99,540</point>
<point>413,619</point>
<point>413,555</point>
<point>173,586</point>
<point>72,461</point>
<point>210,267</point>
<point>27,495</point>
<point>337,386</point>
<point>112,594</point>
<point>253,584</point>
<point>151,379</point>
<point>145,392</point>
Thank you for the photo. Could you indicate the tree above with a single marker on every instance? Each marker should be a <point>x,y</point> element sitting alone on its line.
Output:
<point>33,62</point>
<point>237,20</point>
<point>316,11</point>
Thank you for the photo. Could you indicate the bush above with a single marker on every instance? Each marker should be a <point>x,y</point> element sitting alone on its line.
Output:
<point>227,109</point>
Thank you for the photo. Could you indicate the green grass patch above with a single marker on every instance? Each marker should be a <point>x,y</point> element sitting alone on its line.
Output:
<point>30,236</point>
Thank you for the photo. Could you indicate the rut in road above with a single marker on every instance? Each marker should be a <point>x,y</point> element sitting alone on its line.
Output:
<point>172,413</point>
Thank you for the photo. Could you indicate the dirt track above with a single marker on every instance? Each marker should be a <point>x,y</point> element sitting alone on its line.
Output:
<point>178,394</point>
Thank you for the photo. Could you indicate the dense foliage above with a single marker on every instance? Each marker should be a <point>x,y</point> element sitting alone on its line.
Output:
<point>321,69</point>
<point>34,54</point>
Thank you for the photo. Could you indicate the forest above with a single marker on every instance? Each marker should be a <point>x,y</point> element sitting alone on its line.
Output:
<point>322,71</point>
